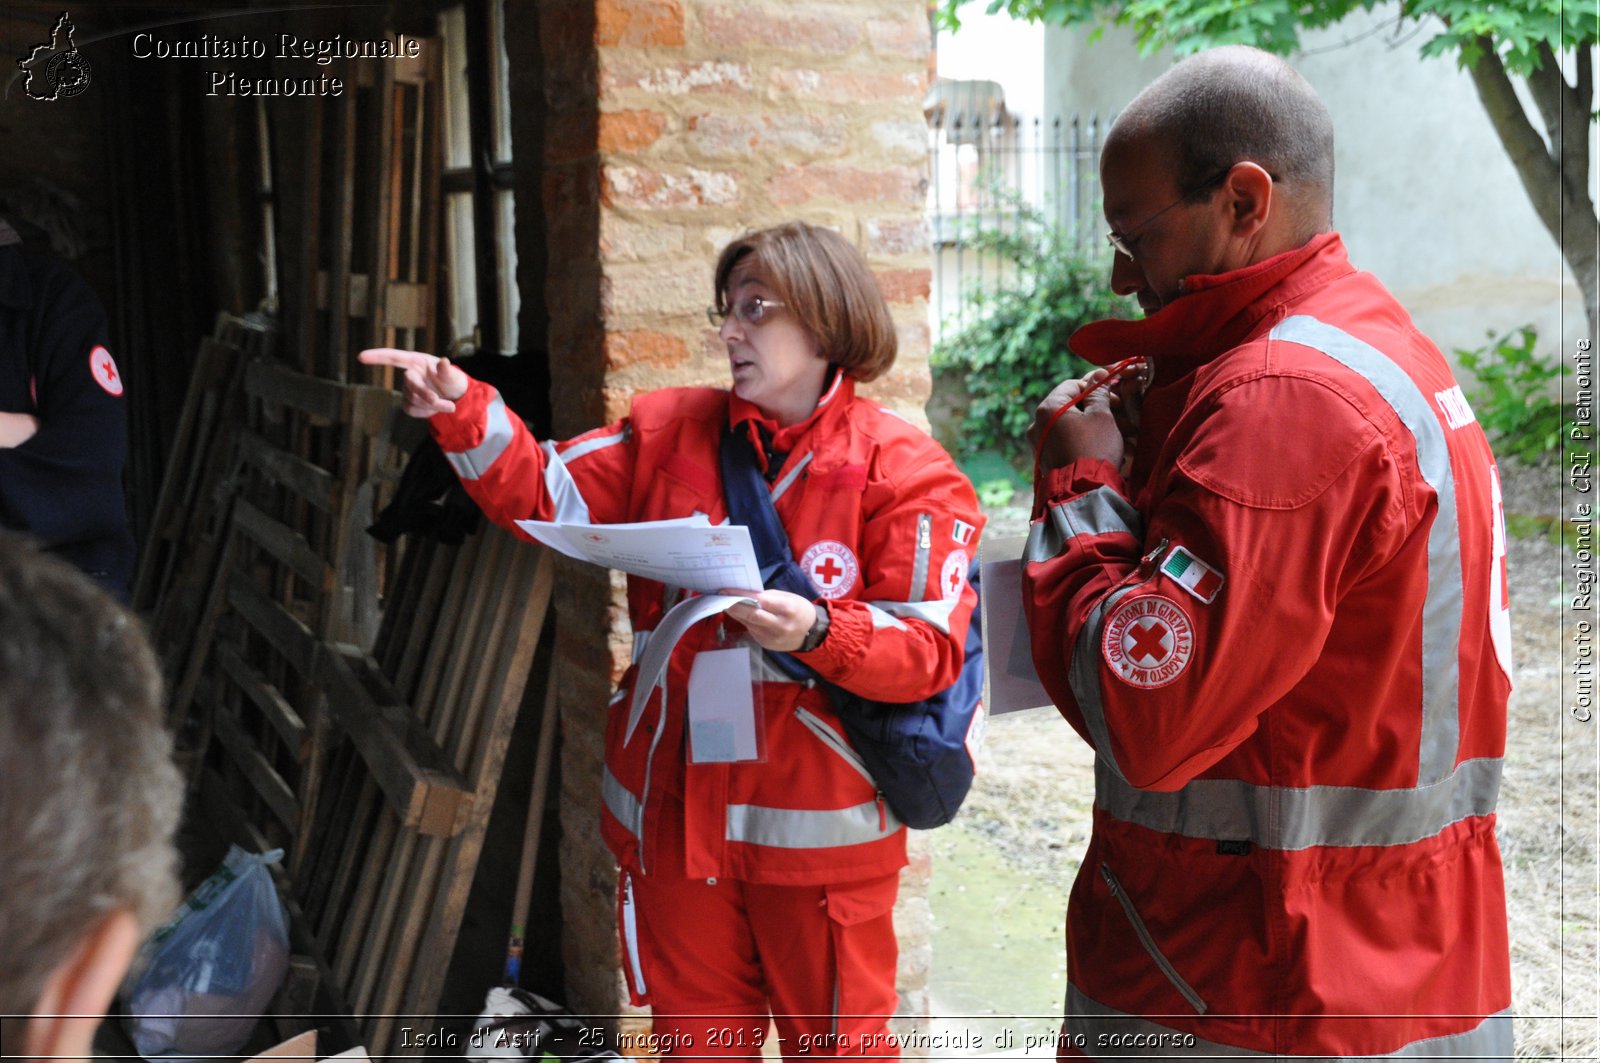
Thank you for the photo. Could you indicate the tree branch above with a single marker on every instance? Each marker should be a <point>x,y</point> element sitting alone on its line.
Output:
<point>1539,170</point>
<point>1579,101</point>
<point>1548,87</point>
<point>1568,214</point>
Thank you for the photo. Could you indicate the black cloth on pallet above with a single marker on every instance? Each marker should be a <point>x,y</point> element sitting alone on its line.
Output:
<point>429,500</point>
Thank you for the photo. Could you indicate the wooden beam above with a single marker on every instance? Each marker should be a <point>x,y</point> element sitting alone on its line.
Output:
<point>423,787</point>
<point>267,698</point>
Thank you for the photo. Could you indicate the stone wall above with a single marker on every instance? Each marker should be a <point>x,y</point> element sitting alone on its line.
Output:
<point>671,127</point>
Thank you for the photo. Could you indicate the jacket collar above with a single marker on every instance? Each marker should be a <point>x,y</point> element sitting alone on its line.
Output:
<point>746,416</point>
<point>1217,312</point>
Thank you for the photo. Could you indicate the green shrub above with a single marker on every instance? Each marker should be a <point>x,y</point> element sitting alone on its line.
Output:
<point>1517,403</point>
<point>992,476</point>
<point>1015,348</point>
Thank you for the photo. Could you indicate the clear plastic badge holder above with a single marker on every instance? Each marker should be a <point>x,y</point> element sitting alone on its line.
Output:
<point>725,718</point>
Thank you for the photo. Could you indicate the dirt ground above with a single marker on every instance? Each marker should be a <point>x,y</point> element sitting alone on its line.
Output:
<point>1003,869</point>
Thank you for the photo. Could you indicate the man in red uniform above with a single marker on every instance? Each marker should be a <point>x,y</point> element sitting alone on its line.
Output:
<point>1279,616</point>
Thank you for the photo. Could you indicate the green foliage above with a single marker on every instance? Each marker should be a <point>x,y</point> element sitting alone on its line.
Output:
<point>993,476</point>
<point>1516,28</point>
<point>1014,350</point>
<point>1517,398</point>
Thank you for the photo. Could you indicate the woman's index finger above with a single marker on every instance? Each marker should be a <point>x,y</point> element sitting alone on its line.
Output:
<point>396,357</point>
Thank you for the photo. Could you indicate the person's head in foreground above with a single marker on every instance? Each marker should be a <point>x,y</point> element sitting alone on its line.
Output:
<point>1222,162</point>
<point>89,800</point>
<point>791,301</point>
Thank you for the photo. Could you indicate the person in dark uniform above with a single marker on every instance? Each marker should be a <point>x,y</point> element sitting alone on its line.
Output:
<point>63,417</point>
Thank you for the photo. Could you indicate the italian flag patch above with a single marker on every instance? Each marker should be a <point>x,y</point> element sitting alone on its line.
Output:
<point>1192,574</point>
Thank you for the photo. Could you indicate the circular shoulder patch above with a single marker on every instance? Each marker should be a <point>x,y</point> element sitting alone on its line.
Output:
<point>1148,641</point>
<point>831,567</point>
<point>953,576</point>
<point>104,370</point>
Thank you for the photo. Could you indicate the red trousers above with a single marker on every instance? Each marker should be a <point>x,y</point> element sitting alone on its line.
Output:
<point>717,957</point>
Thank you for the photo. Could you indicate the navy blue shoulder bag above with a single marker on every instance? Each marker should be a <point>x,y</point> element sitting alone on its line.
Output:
<point>916,751</point>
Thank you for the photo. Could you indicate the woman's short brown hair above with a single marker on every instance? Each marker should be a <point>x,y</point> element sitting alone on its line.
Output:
<point>823,280</point>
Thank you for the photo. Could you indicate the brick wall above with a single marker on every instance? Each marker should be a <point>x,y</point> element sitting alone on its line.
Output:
<point>672,126</point>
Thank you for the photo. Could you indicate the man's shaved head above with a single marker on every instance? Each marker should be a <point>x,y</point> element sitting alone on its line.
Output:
<point>1238,104</point>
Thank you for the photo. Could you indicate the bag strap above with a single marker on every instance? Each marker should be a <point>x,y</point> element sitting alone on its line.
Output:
<point>749,502</point>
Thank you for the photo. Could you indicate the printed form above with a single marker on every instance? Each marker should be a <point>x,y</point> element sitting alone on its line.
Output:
<point>691,553</point>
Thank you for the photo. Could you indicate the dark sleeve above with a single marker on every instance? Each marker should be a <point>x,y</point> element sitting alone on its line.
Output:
<point>64,485</point>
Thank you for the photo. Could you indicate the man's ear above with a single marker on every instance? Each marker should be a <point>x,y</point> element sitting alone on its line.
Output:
<point>79,989</point>
<point>1247,192</point>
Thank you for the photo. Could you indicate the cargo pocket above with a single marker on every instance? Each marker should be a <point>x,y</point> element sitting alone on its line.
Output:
<point>1149,943</point>
<point>865,952</point>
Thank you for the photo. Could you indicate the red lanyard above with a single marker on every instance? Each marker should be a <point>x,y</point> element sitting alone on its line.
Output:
<point>1113,374</point>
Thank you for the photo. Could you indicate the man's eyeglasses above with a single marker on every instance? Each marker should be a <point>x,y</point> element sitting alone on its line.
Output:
<point>1124,242</point>
<point>751,311</point>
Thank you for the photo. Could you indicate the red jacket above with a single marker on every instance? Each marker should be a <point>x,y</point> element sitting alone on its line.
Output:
<point>880,516</point>
<point>1286,637</point>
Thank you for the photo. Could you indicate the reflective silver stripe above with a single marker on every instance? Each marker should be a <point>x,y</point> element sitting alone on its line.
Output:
<point>623,806</point>
<point>1441,611</point>
<point>589,446</point>
<point>1083,674</point>
<point>936,613</point>
<point>570,507</point>
<point>1291,818</point>
<point>882,618</point>
<point>919,568</point>
<point>641,639</point>
<point>764,671</point>
<point>789,477</point>
<point>498,433</point>
<point>795,828</point>
<point>1114,1033</point>
<point>1099,512</point>
<point>630,933</point>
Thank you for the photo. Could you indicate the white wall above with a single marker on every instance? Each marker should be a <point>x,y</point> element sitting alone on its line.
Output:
<point>997,48</point>
<point>1424,194</point>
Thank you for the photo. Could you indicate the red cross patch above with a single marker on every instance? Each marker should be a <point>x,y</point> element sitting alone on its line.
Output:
<point>953,576</point>
<point>1148,641</point>
<point>104,371</point>
<point>831,567</point>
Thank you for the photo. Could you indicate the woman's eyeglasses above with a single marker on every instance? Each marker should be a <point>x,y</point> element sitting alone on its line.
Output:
<point>751,311</point>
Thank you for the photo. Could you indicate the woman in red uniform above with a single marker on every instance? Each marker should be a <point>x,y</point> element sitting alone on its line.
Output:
<point>757,887</point>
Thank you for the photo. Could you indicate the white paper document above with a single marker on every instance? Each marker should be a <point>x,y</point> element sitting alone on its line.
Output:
<point>691,552</point>
<point>1007,653</point>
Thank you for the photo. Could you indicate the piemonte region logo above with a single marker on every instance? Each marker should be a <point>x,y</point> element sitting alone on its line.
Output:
<point>55,69</point>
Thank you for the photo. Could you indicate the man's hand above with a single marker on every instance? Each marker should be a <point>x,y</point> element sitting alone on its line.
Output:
<point>778,621</point>
<point>1089,430</point>
<point>17,428</point>
<point>432,384</point>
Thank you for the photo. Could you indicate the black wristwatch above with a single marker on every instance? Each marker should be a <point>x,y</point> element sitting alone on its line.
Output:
<point>819,629</point>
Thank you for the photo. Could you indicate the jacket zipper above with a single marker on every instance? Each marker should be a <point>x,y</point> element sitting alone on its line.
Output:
<point>919,567</point>
<point>649,766</point>
<point>836,742</point>
<point>1149,942</point>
